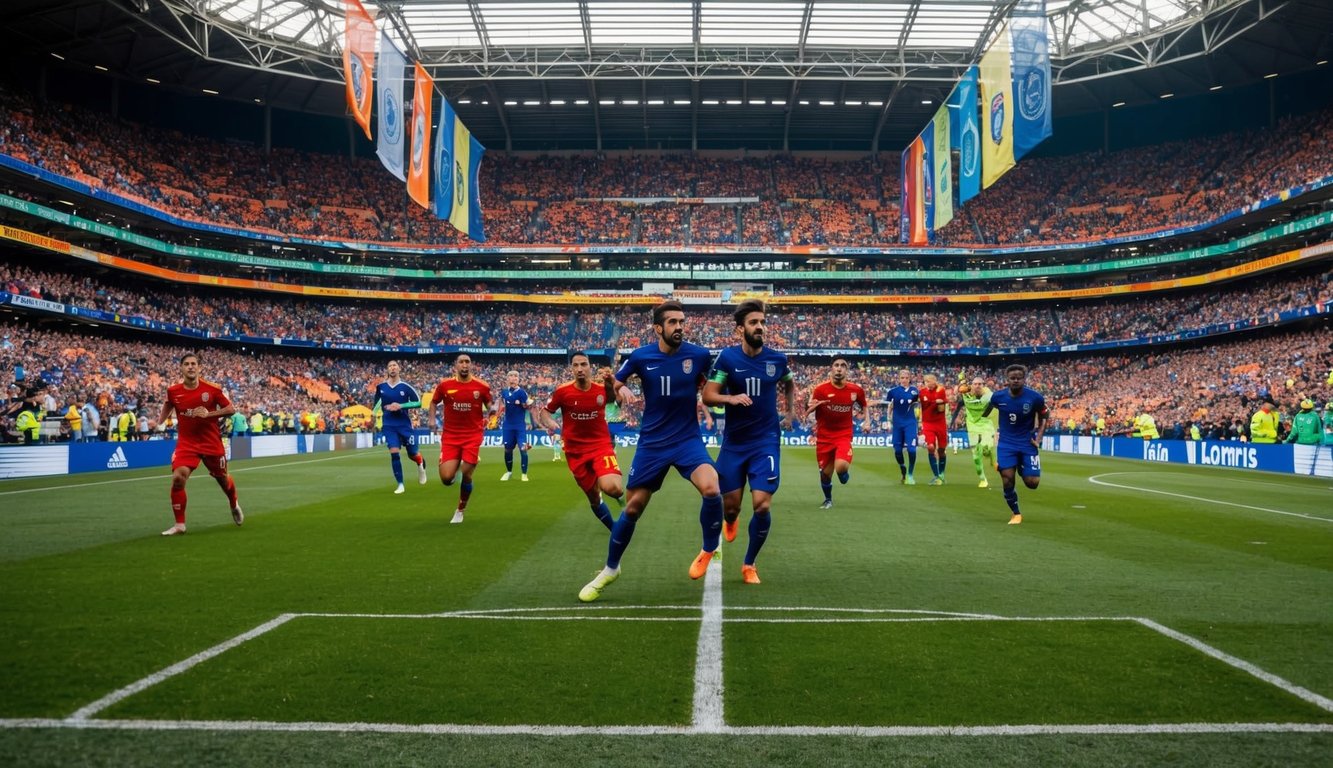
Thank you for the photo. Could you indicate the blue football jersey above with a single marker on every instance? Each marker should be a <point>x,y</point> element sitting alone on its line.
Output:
<point>1018,415</point>
<point>903,400</point>
<point>402,393</point>
<point>670,391</point>
<point>516,408</point>
<point>758,377</point>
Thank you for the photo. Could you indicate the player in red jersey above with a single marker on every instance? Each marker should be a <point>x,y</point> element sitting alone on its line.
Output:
<point>466,404</point>
<point>198,405</point>
<point>588,447</point>
<point>935,424</point>
<point>834,404</point>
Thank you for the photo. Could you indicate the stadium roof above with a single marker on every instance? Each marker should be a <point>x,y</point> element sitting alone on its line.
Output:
<point>681,74</point>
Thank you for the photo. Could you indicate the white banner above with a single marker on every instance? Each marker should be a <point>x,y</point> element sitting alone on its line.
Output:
<point>389,146</point>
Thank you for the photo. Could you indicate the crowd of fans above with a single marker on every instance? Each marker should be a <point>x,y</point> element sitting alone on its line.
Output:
<point>1216,387</point>
<point>231,313</point>
<point>564,199</point>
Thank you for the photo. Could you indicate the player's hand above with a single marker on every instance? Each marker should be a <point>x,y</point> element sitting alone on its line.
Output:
<point>786,422</point>
<point>740,400</point>
<point>393,407</point>
<point>604,374</point>
<point>199,412</point>
<point>1036,444</point>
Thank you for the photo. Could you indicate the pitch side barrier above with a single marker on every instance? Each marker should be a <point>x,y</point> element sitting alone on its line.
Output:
<point>1316,460</point>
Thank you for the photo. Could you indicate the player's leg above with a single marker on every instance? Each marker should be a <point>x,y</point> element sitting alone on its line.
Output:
<point>695,461</point>
<point>765,475</point>
<point>731,482</point>
<point>471,457</point>
<point>932,455</point>
<point>449,470</point>
<point>523,453</point>
<point>510,440</point>
<point>1009,462</point>
<point>585,475</point>
<point>1030,469</point>
<point>393,440</point>
<point>414,453</point>
<point>217,467</point>
<point>899,444</point>
<point>181,467</point>
<point>843,461</point>
<point>826,455</point>
<point>911,438</point>
<point>942,449</point>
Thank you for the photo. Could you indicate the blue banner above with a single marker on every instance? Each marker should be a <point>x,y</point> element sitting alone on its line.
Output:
<point>965,135</point>
<point>1031,74</point>
<point>1231,454</point>
<point>457,167</point>
<point>98,457</point>
<point>389,144</point>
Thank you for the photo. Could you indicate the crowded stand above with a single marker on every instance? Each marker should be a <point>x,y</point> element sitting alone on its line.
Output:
<point>561,199</point>
<point>231,313</point>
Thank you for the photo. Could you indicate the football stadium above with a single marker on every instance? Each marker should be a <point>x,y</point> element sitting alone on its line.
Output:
<point>968,365</point>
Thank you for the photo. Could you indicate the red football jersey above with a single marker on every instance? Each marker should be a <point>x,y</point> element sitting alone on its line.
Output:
<point>934,405</point>
<point>583,420</point>
<point>194,434</point>
<point>834,420</point>
<point>465,406</point>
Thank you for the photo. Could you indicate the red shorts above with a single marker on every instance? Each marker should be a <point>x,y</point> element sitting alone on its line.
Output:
<point>828,451</point>
<point>469,452</point>
<point>186,456</point>
<point>936,436</point>
<point>587,467</point>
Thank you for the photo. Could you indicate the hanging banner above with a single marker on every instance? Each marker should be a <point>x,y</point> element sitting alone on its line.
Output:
<point>997,155</point>
<point>915,180</point>
<point>1032,75</point>
<point>358,61</point>
<point>965,137</point>
<point>389,144</point>
<point>418,170</point>
<point>457,169</point>
<point>942,165</point>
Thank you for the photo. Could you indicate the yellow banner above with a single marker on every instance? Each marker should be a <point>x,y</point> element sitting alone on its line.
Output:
<point>997,110</point>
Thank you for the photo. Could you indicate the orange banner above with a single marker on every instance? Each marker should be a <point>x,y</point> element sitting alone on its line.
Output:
<point>359,61</point>
<point>418,173</point>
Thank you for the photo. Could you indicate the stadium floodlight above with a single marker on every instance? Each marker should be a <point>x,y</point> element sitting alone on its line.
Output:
<point>557,102</point>
<point>709,102</point>
<point>1118,104</point>
<point>100,68</point>
<point>581,102</point>
<point>607,102</point>
<point>927,102</point>
<point>1270,75</point>
<point>532,103</point>
<point>733,102</point>
<point>1215,88</point>
<point>852,103</point>
<point>681,102</point>
<point>153,80</point>
<point>655,102</point>
<point>630,102</point>
<point>210,91</point>
<point>757,102</point>
<point>825,103</point>
<point>511,103</point>
<point>1167,95</point>
<point>58,56</point>
<point>465,101</point>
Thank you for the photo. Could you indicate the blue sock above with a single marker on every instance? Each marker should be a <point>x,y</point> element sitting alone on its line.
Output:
<point>621,532</point>
<point>934,464</point>
<point>843,477</point>
<point>943,460</point>
<point>759,525</point>
<point>827,487</point>
<point>523,461</point>
<point>898,455</point>
<point>710,519</point>
<point>1011,498</point>
<point>509,459</point>
<point>397,463</point>
<point>911,461</point>
<point>603,513</point>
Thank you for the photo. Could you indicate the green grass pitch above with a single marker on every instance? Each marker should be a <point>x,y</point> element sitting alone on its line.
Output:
<point>1141,614</point>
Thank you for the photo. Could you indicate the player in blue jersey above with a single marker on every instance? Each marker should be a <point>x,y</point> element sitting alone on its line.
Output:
<point>1023,418</point>
<point>746,379</point>
<point>904,400</point>
<point>670,372</point>
<point>515,426</point>
<point>394,398</point>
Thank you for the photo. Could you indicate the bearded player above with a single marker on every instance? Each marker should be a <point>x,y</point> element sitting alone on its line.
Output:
<point>834,404</point>
<point>588,447</point>
<point>198,405</point>
<point>465,402</point>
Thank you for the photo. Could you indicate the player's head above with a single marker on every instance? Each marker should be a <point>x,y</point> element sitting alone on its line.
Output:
<point>581,367</point>
<point>1307,405</point>
<point>1266,406</point>
<point>749,317</point>
<point>904,377</point>
<point>839,372</point>
<point>511,379</point>
<point>190,367</point>
<point>463,366</point>
<point>669,322</point>
<point>393,369</point>
<point>931,380</point>
<point>1015,376</point>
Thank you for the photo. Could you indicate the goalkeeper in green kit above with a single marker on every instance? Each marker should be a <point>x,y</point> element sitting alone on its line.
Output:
<point>972,400</point>
<point>1305,426</point>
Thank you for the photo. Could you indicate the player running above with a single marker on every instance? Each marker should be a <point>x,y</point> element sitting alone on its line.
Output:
<point>515,427</point>
<point>1023,418</point>
<point>198,405</point>
<point>934,425</point>
<point>670,372</point>
<point>834,404</point>
<point>394,398</point>
<point>745,380</point>
<point>972,400</point>
<point>904,400</point>
<point>466,405</point>
<point>588,446</point>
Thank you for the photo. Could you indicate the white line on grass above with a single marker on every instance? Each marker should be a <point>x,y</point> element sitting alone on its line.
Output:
<point>175,669</point>
<point>660,730</point>
<point>160,478</point>
<point>1096,481</point>
<point>707,716</point>
<point>1322,702</point>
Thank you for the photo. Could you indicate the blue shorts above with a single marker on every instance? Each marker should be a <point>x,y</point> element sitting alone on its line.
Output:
<point>651,465</point>
<point>904,436</point>
<point>760,464</point>
<point>398,437</point>
<point>514,436</point>
<point>1024,458</point>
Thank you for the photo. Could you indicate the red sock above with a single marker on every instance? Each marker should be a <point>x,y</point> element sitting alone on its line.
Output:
<point>420,461</point>
<point>178,505</point>
<point>228,487</point>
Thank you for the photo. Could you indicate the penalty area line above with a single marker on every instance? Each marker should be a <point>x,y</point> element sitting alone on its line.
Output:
<point>1096,480</point>
<point>167,476</point>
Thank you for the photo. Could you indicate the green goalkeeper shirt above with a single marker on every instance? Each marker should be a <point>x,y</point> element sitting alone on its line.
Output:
<point>1306,429</point>
<point>975,405</point>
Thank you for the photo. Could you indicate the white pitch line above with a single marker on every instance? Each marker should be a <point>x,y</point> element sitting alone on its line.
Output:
<point>175,669</point>
<point>1304,694</point>
<point>867,731</point>
<point>707,716</point>
<point>167,476</point>
<point>1095,481</point>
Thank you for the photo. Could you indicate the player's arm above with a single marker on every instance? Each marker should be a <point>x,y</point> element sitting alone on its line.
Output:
<point>712,394</point>
<point>620,382</point>
<point>957,410</point>
<point>544,418</point>
<point>790,415</point>
<point>415,402</point>
<point>167,408</point>
<point>1043,418</point>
